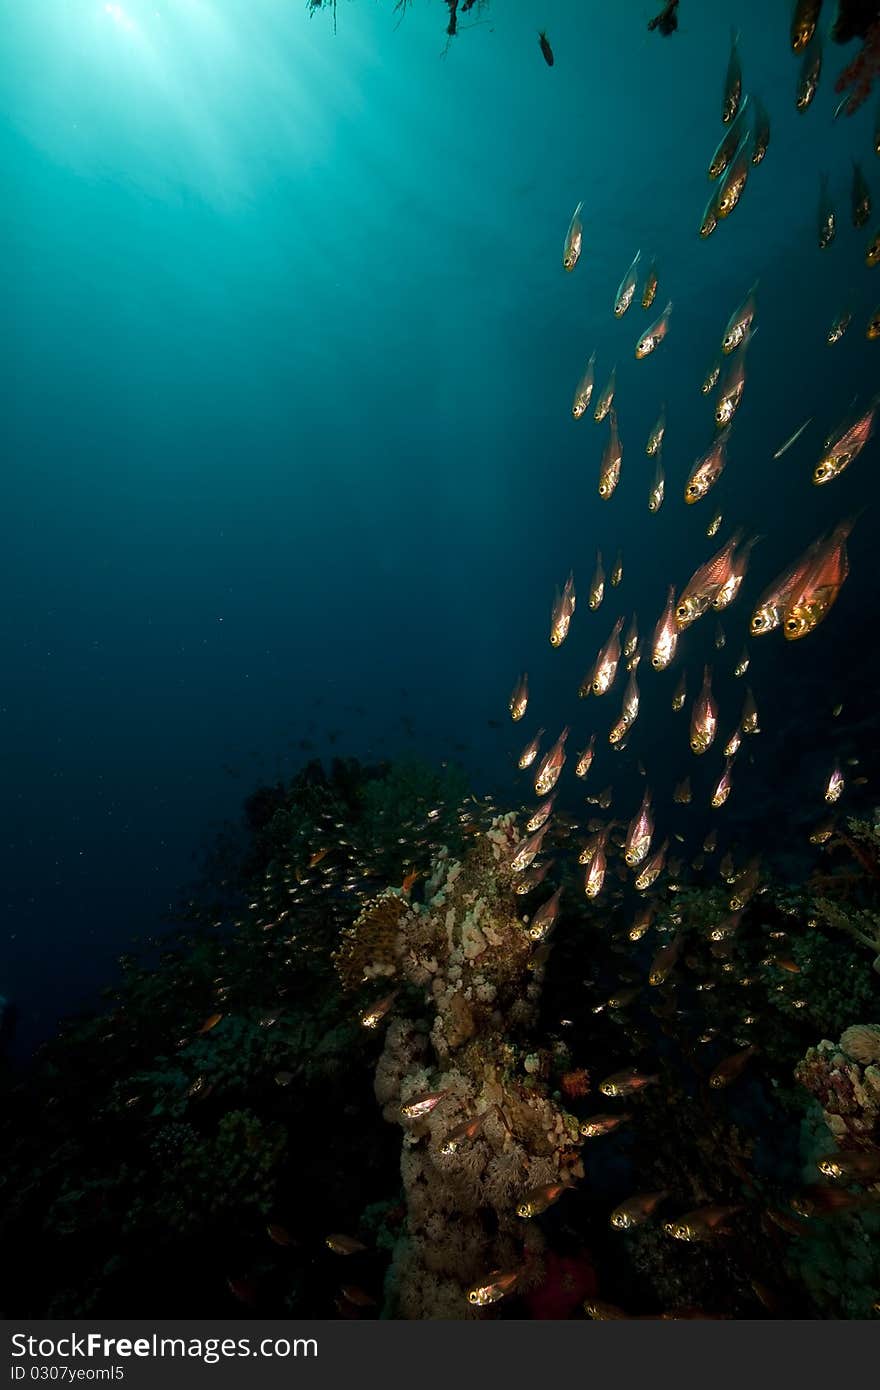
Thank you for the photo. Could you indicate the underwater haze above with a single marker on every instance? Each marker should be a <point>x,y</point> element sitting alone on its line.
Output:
<point>288,368</point>
<point>317,965</point>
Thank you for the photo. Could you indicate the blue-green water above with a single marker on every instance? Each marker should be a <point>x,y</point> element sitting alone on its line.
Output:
<point>288,367</point>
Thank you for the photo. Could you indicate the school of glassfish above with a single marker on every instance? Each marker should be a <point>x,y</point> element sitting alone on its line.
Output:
<point>795,602</point>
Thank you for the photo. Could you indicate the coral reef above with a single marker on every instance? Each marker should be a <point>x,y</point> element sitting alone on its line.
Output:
<point>837,1254</point>
<point>492,1133</point>
<point>845,1079</point>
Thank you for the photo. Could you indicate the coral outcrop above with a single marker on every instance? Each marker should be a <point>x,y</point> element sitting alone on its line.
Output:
<point>494,1134</point>
<point>844,1078</point>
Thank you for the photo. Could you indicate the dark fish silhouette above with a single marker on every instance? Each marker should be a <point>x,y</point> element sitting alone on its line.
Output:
<point>546,49</point>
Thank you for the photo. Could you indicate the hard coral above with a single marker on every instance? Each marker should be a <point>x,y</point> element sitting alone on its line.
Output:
<point>468,950</point>
<point>369,947</point>
<point>847,1088</point>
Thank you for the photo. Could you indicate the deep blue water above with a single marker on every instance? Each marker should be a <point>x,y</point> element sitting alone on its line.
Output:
<point>288,367</point>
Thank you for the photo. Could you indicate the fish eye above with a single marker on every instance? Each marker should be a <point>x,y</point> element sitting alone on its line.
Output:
<point>681,612</point>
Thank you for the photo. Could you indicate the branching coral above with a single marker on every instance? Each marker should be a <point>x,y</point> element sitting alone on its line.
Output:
<point>860,74</point>
<point>846,900</point>
<point>491,1133</point>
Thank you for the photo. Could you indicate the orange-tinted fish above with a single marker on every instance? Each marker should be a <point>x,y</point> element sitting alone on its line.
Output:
<point>749,719</point>
<point>664,961</point>
<point>528,849</point>
<point>726,928</point>
<point>834,786</point>
<point>626,1083</point>
<point>707,470</point>
<point>606,400</point>
<point>850,1164</point>
<point>642,921</point>
<point>649,293</point>
<point>701,1224</point>
<point>826,217</point>
<point>493,1287</point>
<point>803,23</point>
<point>612,458</point>
<point>538,817</point>
<point>775,600</point>
<point>760,131</point>
<point>374,1015</point>
<point>808,77</point>
<point>551,765</point>
<point>819,1200</point>
<point>841,323</point>
<point>706,583</point>
<point>745,885</point>
<point>597,587</point>
<point>631,638</point>
<point>530,752</point>
<point>730,392</point>
<point>682,793</point>
<point>740,322</point>
<point>665,639</point>
<point>658,485</point>
<point>731,187</point>
<point>627,288</point>
<point>733,82</point>
<point>595,1125</point>
<point>729,143</point>
<point>732,1067</point>
<point>561,613</point>
<point>584,390</point>
<point>423,1103</point>
<point>636,1210</point>
<point>462,1133</point>
<point>343,1245</point>
<point>595,875</point>
<point>817,590</point>
<point>722,786</point>
<point>532,878</point>
<point>585,759</point>
<point>653,336</point>
<point>519,698</point>
<point>210,1022</point>
<point>704,717</point>
<point>544,919</point>
<point>655,438</point>
<point>540,1198</point>
<point>574,240</point>
<point>845,445</point>
<point>601,1311</point>
<point>639,833</point>
<point>680,693</point>
<point>604,671</point>
<point>730,587</point>
<point>652,870</point>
